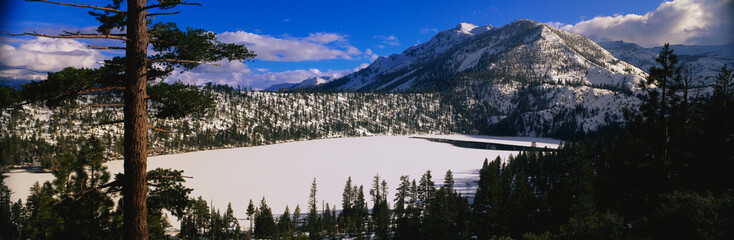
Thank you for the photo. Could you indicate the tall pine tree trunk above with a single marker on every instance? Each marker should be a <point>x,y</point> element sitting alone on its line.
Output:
<point>135,218</point>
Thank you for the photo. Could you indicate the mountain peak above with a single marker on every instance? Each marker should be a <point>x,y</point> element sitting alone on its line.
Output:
<point>471,29</point>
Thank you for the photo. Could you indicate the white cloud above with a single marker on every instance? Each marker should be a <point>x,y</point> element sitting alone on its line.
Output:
<point>47,54</point>
<point>317,46</point>
<point>241,75</point>
<point>325,37</point>
<point>676,22</point>
<point>391,40</point>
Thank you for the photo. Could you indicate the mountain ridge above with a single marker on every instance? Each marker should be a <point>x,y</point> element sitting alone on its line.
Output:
<point>457,52</point>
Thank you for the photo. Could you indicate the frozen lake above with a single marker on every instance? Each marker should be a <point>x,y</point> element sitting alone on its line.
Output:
<point>282,173</point>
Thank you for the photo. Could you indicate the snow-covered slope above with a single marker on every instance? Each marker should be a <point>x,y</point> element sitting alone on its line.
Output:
<point>523,50</point>
<point>525,77</point>
<point>705,61</point>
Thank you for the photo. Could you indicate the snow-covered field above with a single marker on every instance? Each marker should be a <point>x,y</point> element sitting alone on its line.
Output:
<point>282,173</point>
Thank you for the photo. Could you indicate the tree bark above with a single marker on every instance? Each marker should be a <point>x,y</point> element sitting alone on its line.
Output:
<point>135,217</point>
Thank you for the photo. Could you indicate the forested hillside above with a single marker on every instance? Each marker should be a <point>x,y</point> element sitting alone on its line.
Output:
<point>35,133</point>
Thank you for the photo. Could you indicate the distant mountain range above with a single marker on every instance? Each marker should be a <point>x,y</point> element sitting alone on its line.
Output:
<point>14,77</point>
<point>705,61</point>
<point>305,84</point>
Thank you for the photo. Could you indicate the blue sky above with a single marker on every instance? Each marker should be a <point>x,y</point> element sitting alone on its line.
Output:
<point>300,39</point>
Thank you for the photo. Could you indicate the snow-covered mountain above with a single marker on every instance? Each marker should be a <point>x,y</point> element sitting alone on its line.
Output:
<point>523,50</point>
<point>523,78</point>
<point>705,61</point>
<point>305,84</point>
<point>15,77</point>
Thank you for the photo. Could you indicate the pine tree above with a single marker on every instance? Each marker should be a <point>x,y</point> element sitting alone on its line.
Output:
<point>296,217</point>
<point>264,222</point>
<point>346,216</point>
<point>284,223</point>
<point>360,211</point>
<point>250,212</point>
<point>314,223</point>
<point>131,74</point>
<point>380,209</point>
<point>448,181</point>
<point>426,189</point>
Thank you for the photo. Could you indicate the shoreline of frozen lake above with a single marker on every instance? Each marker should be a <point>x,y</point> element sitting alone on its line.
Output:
<point>282,173</point>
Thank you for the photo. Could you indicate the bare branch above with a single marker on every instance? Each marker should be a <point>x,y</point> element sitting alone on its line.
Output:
<point>106,47</point>
<point>111,34</point>
<point>158,14</point>
<point>169,4</point>
<point>81,5</point>
<point>110,122</point>
<point>158,129</point>
<point>181,61</point>
<point>100,36</point>
<point>77,196</point>
<point>102,105</point>
<point>155,150</point>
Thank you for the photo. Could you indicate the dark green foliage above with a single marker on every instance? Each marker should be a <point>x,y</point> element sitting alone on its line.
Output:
<point>691,215</point>
<point>313,224</point>
<point>447,215</point>
<point>264,222</point>
<point>533,192</point>
<point>380,209</point>
<point>178,100</point>
<point>78,202</point>
<point>196,45</point>
<point>285,225</point>
<point>7,225</point>
<point>597,226</point>
<point>196,222</point>
<point>9,96</point>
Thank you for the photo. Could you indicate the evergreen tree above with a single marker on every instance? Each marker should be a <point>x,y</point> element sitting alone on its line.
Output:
<point>284,223</point>
<point>264,222</point>
<point>426,189</point>
<point>380,209</point>
<point>250,212</point>
<point>314,223</point>
<point>346,216</point>
<point>448,181</point>
<point>131,74</point>
<point>360,211</point>
<point>6,225</point>
<point>296,217</point>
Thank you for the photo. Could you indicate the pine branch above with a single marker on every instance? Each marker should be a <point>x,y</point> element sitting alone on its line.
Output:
<point>99,36</point>
<point>99,89</point>
<point>81,5</point>
<point>169,5</point>
<point>157,99</point>
<point>181,61</point>
<point>77,196</point>
<point>158,14</point>
<point>106,47</point>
